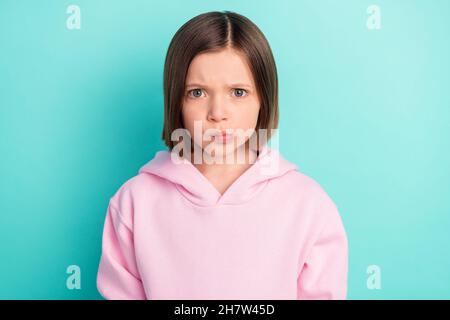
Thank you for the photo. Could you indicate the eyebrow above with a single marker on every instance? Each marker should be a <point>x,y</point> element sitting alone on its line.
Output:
<point>233,85</point>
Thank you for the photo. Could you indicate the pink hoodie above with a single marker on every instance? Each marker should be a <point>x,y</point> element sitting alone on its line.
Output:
<point>273,234</point>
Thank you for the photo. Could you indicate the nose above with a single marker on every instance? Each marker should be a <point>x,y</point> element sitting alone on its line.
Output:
<point>217,110</point>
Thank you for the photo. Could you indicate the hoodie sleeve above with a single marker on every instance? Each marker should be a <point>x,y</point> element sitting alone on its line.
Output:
<point>118,277</point>
<point>324,272</point>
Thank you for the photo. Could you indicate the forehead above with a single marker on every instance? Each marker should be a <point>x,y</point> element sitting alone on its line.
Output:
<point>220,67</point>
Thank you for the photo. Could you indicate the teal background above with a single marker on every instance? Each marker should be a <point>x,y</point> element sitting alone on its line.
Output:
<point>364,112</point>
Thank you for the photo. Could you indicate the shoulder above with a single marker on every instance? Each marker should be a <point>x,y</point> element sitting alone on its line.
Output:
<point>318,208</point>
<point>311,194</point>
<point>133,191</point>
<point>305,185</point>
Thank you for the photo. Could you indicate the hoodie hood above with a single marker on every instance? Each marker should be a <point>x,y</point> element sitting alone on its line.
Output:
<point>193,185</point>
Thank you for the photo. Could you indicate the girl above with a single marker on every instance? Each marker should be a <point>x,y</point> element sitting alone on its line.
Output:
<point>187,227</point>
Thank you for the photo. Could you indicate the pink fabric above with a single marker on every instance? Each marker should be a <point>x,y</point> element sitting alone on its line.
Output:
<point>274,234</point>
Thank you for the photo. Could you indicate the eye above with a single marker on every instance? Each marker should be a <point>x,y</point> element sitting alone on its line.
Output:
<point>195,93</point>
<point>240,92</point>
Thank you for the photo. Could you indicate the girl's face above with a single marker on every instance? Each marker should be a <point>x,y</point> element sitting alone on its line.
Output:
<point>220,93</point>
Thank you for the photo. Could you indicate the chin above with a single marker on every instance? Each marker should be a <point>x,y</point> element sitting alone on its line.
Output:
<point>220,153</point>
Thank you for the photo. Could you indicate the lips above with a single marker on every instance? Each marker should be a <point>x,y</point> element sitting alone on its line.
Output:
<point>223,137</point>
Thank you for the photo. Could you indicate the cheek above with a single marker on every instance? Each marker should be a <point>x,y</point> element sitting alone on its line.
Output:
<point>190,115</point>
<point>248,116</point>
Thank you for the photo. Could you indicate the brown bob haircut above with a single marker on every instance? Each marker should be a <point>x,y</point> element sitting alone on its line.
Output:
<point>213,31</point>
